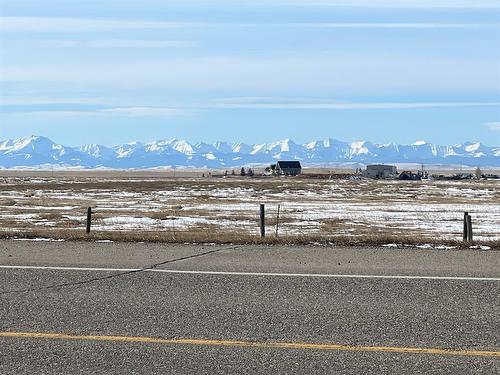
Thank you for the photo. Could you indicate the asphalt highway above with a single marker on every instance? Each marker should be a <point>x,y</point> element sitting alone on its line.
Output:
<point>86,308</point>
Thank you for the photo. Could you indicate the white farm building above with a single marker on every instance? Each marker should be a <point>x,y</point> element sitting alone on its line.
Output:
<point>380,171</point>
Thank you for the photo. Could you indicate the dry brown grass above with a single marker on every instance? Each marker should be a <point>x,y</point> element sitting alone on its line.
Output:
<point>41,196</point>
<point>50,216</point>
<point>332,224</point>
<point>169,214</point>
<point>238,238</point>
<point>7,202</point>
<point>377,190</point>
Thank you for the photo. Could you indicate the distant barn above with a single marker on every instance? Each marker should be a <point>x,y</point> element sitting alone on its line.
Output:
<point>288,168</point>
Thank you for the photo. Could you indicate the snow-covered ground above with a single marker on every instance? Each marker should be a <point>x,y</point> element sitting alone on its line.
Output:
<point>427,209</point>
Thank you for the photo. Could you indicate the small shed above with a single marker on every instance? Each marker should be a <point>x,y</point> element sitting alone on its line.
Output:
<point>380,171</point>
<point>288,168</point>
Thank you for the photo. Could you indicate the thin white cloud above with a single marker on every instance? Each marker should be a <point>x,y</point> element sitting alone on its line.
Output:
<point>117,43</point>
<point>353,106</point>
<point>66,24</point>
<point>243,103</point>
<point>333,75</point>
<point>51,113</point>
<point>391,25</point>
<point>493,126</point>
<point>44,100</point>
<point>156,5</point>
<point>160,112</point>
<point>394,4</point>
<point>145,111</point>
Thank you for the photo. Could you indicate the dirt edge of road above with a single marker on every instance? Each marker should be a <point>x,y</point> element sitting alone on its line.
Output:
<point>234,238</point>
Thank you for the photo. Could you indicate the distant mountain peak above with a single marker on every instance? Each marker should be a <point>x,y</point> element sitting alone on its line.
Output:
<point>33,143</point>
<point>36,151</point>
<point>97,151</point>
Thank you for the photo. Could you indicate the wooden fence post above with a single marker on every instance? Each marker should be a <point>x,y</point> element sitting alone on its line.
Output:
<point>262,221</point>
<point>466,234</point>
<point>89,219</point>
<point>277,221</point>
<point>469,228</point>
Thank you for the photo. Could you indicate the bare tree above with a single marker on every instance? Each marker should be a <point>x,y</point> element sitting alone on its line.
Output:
<point>478,173</point>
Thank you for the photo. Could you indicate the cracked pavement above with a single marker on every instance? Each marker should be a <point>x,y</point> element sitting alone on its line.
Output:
<point>400,313</point>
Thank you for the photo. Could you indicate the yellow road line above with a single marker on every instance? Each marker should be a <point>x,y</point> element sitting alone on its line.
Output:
<point>252,344</point>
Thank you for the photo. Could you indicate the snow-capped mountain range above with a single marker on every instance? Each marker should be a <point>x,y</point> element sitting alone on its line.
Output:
<point>37,151</point>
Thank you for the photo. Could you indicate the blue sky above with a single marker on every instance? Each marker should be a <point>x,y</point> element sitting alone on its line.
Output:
<point>387,71</point>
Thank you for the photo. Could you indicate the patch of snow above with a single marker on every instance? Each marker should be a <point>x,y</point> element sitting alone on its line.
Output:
<point>480,247</point>
<point>444,247</point>
<point>39,239</point>
<point>425,246</point>
<point>182,147</point>
<point>257,148</point>
<point>358,148</point>
<point>19,216</point>
<point>311,145</point>
<point>472,147</point>
<point>129,221</point>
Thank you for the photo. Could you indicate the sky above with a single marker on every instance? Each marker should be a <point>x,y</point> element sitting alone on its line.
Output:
<point>109,71</point>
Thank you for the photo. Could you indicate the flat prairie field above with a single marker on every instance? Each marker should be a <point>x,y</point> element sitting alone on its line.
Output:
<point>227,209</point>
